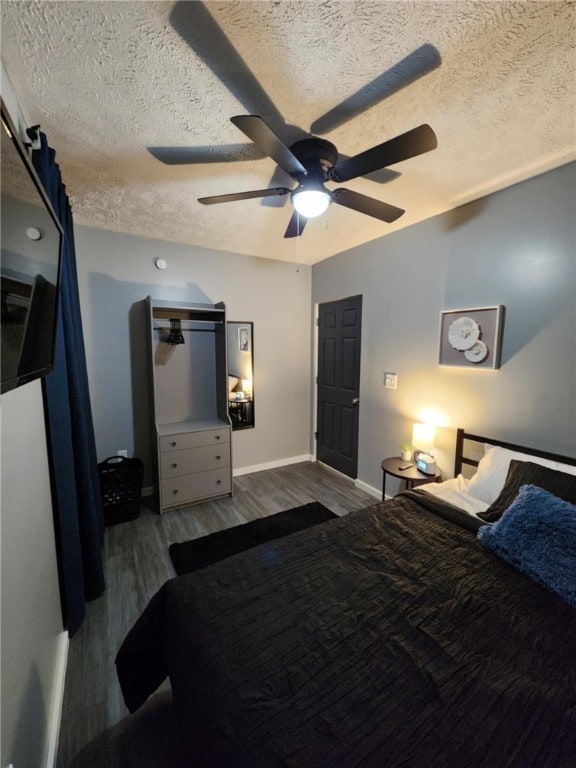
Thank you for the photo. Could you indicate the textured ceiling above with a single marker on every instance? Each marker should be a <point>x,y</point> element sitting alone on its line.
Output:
<point>136,99</point>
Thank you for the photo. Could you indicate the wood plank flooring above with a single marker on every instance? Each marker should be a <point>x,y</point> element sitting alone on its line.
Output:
<point>137,563</point>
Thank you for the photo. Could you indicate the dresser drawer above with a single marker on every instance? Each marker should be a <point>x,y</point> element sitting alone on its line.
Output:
<point>178,442</point>
<point>188,488</point>
<point>184,462</point>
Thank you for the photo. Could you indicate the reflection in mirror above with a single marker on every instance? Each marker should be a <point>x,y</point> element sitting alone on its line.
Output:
<point>30,244</point>
<point>240,342</point>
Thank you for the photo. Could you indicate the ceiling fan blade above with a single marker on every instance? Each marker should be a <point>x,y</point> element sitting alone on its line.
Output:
<point>296,225</point>
<point>407,145</point>
<point>381,176</point>
<point>368,205</point>
<point>278,178</point>
<point>224,153</point>
<point>267,141</point>
<point>243,195</point>
<point>414,66</point>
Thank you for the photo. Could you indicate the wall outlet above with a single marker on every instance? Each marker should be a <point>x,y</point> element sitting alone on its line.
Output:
<point>123,452</point>
<point>390,380</point>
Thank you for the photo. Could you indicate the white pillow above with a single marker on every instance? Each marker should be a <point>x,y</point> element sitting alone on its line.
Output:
<point>455,492</point>
<point>492,470</point>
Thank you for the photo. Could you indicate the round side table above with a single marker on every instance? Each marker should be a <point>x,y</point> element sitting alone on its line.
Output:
<point>412,475</point>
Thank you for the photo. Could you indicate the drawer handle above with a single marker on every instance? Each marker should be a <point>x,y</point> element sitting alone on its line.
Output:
<point>216,437</point>
<point>173,444</point>
<point>175,491</point>
<point>218,458</point>
<point>218,482</point>
<point>173,466</point>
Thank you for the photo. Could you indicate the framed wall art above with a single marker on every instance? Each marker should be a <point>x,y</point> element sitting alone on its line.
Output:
<point>472,338</point>
<point>243,338</point>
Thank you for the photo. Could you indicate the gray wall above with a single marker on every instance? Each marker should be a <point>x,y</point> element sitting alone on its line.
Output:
<point>116,272</point>
<point>517,248</point>
<point>31,618</point>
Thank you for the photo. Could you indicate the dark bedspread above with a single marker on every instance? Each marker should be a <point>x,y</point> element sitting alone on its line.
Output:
<point>388,638</point>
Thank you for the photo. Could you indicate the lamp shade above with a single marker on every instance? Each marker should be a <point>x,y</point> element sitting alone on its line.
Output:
<point>311,202</point>
<point>423,437</point>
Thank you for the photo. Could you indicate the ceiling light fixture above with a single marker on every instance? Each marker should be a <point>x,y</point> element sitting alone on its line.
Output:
<point>311,202</point>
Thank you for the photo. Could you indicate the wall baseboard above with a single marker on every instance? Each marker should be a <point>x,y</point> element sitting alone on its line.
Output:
<point>336,471</point>
<point>55,713</point>
<point>376,492</point>
<point>271,465</point>
<point>357,483</point>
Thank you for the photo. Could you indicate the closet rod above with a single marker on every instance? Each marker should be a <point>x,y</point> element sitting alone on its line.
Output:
<point>186,330</point>
<point>191,320</point>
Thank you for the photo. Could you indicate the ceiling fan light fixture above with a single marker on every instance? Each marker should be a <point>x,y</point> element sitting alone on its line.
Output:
<point>311,202</point>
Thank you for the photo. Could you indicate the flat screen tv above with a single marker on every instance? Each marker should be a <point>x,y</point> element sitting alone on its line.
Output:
<point>31,241</point>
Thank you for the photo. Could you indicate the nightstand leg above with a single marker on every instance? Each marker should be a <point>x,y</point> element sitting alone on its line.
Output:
<point>383,485</point>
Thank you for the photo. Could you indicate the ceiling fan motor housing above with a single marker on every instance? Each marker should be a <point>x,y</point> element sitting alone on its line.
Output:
<point>316,155</point>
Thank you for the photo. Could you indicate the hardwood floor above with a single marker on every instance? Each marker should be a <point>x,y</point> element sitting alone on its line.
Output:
<point>137,564</point>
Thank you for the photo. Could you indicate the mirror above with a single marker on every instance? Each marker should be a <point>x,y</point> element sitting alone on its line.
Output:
<point>240,343</point>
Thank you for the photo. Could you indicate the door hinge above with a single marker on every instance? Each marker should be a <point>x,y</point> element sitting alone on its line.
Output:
<point>317,321</point>
<point>315,435</point>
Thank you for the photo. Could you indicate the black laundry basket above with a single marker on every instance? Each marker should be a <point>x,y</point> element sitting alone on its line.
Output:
<point>121,484</point>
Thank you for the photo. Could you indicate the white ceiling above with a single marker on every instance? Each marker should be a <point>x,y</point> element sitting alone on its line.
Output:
<point>109,81</point>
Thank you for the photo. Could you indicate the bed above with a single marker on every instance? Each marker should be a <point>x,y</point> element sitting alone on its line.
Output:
<point>406,634</point>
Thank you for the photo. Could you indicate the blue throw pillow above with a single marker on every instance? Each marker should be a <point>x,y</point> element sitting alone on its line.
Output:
<point>537,535</point>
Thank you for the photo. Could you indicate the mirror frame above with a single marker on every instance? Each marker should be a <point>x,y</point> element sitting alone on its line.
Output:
<point>240,358</point>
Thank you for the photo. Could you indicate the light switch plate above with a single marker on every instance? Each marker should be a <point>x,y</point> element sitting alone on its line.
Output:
<point>390,380</point>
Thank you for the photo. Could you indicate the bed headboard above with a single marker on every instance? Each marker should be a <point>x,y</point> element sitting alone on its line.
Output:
<point>465,454</point>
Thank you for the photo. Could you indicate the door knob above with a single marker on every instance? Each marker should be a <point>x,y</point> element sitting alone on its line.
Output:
<point>355,400</point>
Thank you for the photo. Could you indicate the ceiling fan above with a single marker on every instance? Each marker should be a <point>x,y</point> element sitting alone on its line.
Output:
<point>312,162</point>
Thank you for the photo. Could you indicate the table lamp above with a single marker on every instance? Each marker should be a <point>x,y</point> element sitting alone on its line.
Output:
<point>423,442</point>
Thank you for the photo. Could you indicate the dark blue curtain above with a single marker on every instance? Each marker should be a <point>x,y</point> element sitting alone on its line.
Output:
<point>78,516</point>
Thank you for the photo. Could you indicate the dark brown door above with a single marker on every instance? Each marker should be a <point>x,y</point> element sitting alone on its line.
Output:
<point>339,336</point>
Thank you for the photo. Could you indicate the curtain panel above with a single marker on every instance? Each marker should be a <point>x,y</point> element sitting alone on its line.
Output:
<point>77,501</point>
